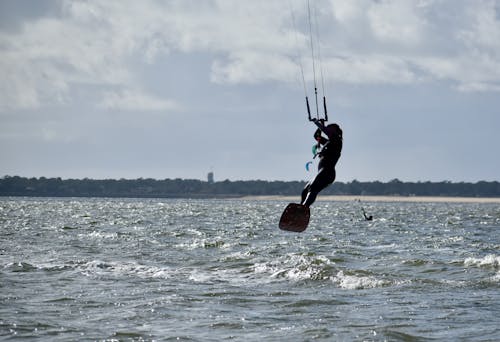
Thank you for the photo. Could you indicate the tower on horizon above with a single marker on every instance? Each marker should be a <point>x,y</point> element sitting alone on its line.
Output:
<point>210,177</point>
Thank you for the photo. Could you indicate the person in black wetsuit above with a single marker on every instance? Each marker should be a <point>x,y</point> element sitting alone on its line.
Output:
<point>368,218</point>
<point>328,157</point>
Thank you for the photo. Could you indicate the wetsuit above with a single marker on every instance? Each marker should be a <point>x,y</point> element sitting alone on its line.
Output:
<point>328,157</point>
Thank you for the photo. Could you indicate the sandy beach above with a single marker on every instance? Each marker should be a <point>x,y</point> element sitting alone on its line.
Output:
<point>385,199</point>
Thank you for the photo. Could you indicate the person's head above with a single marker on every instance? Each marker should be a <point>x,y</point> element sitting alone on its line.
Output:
<point>334,131</point>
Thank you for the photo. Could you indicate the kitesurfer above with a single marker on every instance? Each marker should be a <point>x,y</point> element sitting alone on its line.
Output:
<point>329,155</point>
<point>368,218</point>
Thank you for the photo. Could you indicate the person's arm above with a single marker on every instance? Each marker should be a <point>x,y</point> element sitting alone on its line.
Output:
<point>321,125</point>
<point>320,139</point>
<point>364,213</point>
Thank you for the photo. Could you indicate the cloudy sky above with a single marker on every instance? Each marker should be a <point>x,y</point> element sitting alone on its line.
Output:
<point>176,88</point>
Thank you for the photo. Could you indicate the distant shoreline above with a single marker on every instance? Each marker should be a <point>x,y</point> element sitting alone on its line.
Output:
<point>394,190</point>
<point>347,198</point>
<point>296,199</point>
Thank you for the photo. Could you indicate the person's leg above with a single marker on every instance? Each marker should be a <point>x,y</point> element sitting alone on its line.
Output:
<point>310,198</point>
<point>305,191</point>
<point>324,178</point>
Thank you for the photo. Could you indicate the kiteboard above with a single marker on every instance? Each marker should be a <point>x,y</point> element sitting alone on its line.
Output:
<point>295,218</point>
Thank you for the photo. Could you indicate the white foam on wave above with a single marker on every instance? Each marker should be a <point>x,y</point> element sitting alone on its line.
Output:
<point>353,282</point>
<point>204,243</point>
<point>99,235</point>
<point>217,276</point>
<point>295,267</point>
<point>489,260</point>
<point>200,277</point>
<point>97,267</point>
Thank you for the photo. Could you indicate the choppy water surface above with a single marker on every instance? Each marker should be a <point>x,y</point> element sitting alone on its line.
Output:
<point>125,269</point>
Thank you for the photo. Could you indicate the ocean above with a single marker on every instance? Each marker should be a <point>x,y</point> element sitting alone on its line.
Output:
<point>85,269</point>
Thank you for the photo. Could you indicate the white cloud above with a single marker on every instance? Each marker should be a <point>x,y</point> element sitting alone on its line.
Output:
<point>347,11</point>
<point>481,29</point>
<point>240,68</point>
<point>397,21</point>
<point>479,87</point>
<point>135,100</point>
<point>101,44</point>
<point>413,41</point>
<point>371,69</point>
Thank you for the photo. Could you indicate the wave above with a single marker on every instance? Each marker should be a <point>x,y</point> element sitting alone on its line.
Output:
<point>94,268</point>
<point>97,267</point>
<point>317,268</point>
<point>490,261</point>
<point>20,266</point>
<point>296,267</point>
<point>356,282</point>
<point>204,243</point>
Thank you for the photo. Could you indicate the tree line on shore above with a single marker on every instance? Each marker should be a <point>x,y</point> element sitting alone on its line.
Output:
<point>191,188</point>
